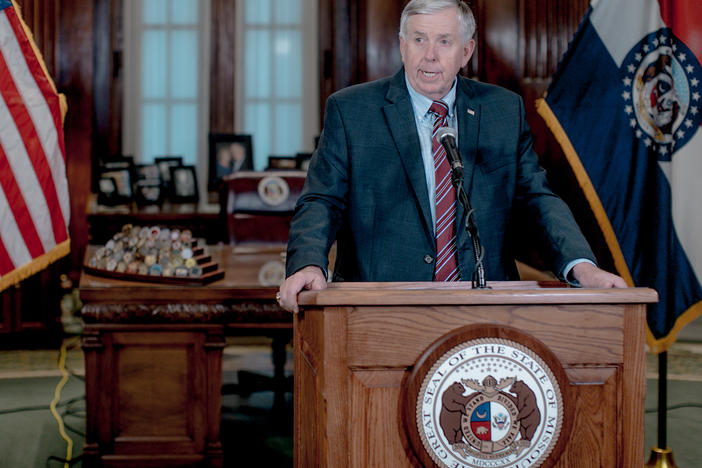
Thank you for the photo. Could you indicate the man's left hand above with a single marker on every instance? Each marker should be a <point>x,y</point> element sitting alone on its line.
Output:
<point>590,276</point>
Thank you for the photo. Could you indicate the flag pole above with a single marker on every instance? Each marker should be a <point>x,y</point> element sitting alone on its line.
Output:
<point>662,399</point>
<point>661,456</point>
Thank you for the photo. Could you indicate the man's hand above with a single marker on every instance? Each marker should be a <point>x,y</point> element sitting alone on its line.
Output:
<point>589,276</point>
<point>309,277</point>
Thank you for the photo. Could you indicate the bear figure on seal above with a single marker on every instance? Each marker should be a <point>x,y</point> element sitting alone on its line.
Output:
<point>529,415</point>
<point>453,406</point>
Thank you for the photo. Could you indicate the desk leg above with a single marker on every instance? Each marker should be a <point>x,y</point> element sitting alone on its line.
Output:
<point>213,349</point>
<point>92,349</point>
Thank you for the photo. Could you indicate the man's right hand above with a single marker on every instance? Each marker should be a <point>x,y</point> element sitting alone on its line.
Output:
<point>309,277</point>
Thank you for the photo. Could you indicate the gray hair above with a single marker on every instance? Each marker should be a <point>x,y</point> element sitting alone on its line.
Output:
<point>466,21</point>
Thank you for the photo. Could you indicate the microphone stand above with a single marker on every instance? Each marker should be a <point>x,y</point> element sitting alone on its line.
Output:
<point>478,279</point>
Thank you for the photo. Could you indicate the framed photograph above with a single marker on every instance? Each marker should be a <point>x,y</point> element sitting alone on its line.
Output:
<point>123,182</point>
<point>102,163</point>
<point>122,169</point>
<point>184,181</point>
<point>164,164</point>
<point>148,192</point>
<point>229,153</point>
<point>109,189</point>
<point>147,172</point>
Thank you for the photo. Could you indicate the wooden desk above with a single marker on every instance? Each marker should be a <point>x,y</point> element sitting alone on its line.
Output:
<point>203,219</point>
<point>153,355</point>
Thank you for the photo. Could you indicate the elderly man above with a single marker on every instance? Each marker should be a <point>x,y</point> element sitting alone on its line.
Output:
<point>379,182</point>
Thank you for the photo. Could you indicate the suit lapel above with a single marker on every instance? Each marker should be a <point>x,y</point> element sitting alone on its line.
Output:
<point>400,118</point>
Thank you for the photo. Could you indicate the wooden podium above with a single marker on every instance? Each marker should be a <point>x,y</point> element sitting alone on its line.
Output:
<point>357,343</point>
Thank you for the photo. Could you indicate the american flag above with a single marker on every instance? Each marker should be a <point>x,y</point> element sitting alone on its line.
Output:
<point>34,203</point>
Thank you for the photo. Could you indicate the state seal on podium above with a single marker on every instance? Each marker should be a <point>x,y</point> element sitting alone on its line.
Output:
<point>486,396</point>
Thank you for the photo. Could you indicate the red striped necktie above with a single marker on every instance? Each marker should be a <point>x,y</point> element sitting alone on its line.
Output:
<point>446,267</point>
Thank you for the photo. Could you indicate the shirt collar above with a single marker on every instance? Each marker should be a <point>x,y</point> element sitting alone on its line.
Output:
<point>421,103</point>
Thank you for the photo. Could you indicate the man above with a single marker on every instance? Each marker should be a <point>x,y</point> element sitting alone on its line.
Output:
<point>369,183</point>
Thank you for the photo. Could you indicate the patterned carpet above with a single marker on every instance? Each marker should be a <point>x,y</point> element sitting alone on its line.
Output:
<point>684,363</point>
<point>40,362</point>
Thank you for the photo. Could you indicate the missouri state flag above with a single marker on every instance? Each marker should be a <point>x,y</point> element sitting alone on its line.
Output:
<point>34,203</point>
<point>626,106</point>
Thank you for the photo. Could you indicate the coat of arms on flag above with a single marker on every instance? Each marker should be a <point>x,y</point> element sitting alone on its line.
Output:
<point>626,107</point>
<point>34,204</point>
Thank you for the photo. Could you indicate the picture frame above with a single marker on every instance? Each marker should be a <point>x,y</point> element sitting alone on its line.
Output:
<point>164,164</point>
<point>147,172</point>
<point>184,184</point>
<point>114,189</point>
<point>123,185</point>
<point>228,153</point>
<point>107,191</point>
<point>105,162</point>
<point>148,192</point>
<point>121,166</point>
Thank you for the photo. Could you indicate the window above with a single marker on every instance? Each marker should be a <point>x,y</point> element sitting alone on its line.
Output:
<point>277,80</point>
<point>165,81</point>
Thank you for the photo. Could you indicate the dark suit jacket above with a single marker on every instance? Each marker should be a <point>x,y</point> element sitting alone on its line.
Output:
<point>366,187</point>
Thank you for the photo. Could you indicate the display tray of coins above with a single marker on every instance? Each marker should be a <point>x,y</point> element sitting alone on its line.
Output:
<point>154,254</point>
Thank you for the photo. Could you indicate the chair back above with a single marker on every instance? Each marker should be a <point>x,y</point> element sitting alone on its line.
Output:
<point>258,206</point>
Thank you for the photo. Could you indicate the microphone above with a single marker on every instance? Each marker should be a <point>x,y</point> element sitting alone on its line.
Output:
<point>447,138</point>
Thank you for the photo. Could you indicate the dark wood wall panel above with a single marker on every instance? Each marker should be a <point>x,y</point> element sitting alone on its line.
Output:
<point>116,75</point>
<point>547,28</point>
<point>75,79</point>
<point>222,82</point>
<point>339,60</point>
<point>103,83</point>
<point>41,18</point>
<point>499,41</point>
<point>379,24</point>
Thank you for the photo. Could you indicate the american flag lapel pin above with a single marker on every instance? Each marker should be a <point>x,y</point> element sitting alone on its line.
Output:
<point>471,111</point>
